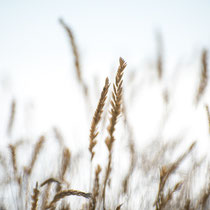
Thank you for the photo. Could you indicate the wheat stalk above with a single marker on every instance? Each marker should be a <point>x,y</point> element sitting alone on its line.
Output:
<point>95,189</point>
<point>12,117</point>
<point>116,103</point>
<point>35,198</point>
<point>203,77</point>
<point>131,150</point>
<point>65,193</point>
<point>97,118</point>
<point>165,173</point>
<point>76,56</point>
<point>159,56</point>
<point>35,154</point>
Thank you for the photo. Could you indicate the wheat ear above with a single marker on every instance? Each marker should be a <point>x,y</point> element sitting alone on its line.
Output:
<point>97,118</point>
<point>76,56</point>
<point>116,103</point>
<point>35,154</point>
<point>35,198</point>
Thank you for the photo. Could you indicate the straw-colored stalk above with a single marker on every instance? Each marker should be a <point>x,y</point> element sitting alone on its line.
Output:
<point>35,198</point>
<point>116,103</point>
<point>65,193</point>
<point>97,118</point>
<point>58,136</point>
<point>165,173</point>
<point>65,162</point>
<point>37,149</point>
<point>203,77</point>
<point>159,56</point>
<point>49,181</point>
<point>76,56</point>
<point>119,206</point>
<point>208,116</point>
<point>12,117</point>
<point>131,150</point>
<point>95,189</point>
<point>45,197</point>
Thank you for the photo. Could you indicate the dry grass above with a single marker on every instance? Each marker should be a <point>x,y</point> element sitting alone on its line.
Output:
<point>97,118</point>
<point>65,193</point>
<point>76,57</point>
<point>95,189</point>
<point>116,103</point>
<point>35,154</point>
<point>203,77</point>
<point>151,180</point>
<point>35,198</point>
<point>12,118</point>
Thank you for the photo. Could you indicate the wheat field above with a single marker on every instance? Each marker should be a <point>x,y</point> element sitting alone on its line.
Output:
<point>116,168</point>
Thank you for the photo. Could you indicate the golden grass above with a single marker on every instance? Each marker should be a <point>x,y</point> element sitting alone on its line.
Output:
<point>35,198</point>
<point>12,117</point>
<point>165,173</point>
<point>37,149</point>
<point>203,76</point>
<point>96,186</point>
<point>65,193</point>
<point>116,103</point>
<point>76,56</point>
<point>53,192</point>
<point>97,118</point>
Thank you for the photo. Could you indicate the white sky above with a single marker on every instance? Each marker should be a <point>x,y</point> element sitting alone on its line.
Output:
<point>31,37</point>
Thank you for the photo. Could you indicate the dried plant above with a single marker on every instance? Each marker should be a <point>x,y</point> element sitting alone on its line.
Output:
<point>159,61</point>
<point>58,136</point>
<point>14,162</point>
<point>35,198</point>
<point>119,207</point>
<point>131,150</point>
<point>49,181</point>
<point>204,76</point>
<point>76,56</point>
<point>208,115</point>
<point>65,193</point>
<point>95,189</point>
<point>97,118</point>
<point>65,162</point>
<point>165,173</point>
<point>35,154</point>
<point>12,117</point>
<point>116,103</point>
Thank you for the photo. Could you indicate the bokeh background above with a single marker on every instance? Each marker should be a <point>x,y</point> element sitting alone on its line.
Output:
<point>37,69</point>
<point>36,65</point>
